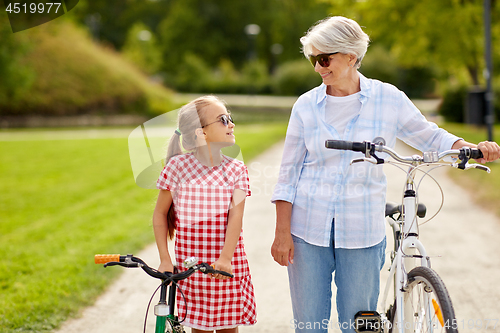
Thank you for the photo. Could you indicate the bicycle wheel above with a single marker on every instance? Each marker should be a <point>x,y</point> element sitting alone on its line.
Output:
<point>426,305</point>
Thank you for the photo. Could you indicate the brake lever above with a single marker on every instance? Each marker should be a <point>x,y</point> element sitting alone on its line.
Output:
<point>123,264</point>
<point>370,160</point>
<point>477,166</point>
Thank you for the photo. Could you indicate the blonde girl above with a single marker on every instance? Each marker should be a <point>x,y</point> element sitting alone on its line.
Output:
<point>201,200</point>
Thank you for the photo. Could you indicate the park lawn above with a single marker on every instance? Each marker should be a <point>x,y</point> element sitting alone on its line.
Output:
<point>61,202</point>
<point>484,186</point>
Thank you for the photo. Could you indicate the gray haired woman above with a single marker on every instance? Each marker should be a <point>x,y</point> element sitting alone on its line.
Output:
<point>330,214</point>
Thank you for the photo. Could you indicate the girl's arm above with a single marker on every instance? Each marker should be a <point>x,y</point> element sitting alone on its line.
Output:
<point>234,225</point>
<point>161,230</point>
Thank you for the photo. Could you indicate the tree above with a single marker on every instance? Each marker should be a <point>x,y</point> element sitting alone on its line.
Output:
<point>141,47</point>
<point>215,29</point>
<point>445,33</point>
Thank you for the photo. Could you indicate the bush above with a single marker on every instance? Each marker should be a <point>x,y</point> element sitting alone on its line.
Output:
<point>416,82</point>
<point>295,78</point>
<point>453,105</point>
<point>74,76</point>
<point>256,78</point>
<point>194,75</point>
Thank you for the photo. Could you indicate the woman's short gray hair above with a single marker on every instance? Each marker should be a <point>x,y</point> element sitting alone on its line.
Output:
<point>336,34</point>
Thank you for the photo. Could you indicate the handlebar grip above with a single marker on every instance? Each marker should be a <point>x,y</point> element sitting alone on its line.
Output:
<point>211,270</point>
<point>105,258</point>
<point>345,145</point>
<point>476,154</point>
<point>225,273</point>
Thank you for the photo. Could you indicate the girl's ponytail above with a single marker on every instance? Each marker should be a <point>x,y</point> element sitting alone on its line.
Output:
<point>174,146</point>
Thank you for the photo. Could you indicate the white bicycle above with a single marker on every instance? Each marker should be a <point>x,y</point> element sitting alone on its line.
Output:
<point>419,301</point>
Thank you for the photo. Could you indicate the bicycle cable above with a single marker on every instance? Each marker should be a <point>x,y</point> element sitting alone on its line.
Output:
<point>427,173</point>
<point>147,308</point>
<point>151,300</point>
<point>440,189</point>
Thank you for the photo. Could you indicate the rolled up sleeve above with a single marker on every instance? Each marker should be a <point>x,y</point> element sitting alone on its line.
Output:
<point>292,161</point>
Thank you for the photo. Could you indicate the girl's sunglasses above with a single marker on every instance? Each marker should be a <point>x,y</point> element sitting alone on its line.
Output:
<point>224,119</point>
<point>322,59</point>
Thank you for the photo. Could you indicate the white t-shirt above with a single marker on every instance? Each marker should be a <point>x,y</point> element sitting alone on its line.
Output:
<point>340,110</point>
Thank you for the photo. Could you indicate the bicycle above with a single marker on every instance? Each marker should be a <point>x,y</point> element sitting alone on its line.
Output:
<point>166,320</point>
<point>420,301</point>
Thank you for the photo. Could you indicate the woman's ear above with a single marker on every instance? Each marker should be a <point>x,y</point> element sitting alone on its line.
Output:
<point>352,60</point>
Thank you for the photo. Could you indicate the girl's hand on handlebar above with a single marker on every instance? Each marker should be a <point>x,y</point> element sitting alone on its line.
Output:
<point>166,267</point>
<point>490,150</point>
<point>222,265</point>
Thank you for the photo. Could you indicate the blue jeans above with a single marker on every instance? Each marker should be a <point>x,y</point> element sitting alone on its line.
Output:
<point>357,277</point>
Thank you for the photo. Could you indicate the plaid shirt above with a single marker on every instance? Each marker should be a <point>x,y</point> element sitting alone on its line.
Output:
<point>323,186</point>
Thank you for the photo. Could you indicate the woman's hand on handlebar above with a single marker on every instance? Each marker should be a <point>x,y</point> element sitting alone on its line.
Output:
<point>490,150</point>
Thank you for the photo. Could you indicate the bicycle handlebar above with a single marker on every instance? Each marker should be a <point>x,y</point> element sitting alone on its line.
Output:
<point>370,149</point>
<point>130,261</point>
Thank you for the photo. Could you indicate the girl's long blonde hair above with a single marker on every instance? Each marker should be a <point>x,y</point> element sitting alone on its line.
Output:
<point>191,117</point>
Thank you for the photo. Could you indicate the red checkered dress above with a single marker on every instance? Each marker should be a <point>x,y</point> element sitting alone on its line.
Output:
<point>202,197</point>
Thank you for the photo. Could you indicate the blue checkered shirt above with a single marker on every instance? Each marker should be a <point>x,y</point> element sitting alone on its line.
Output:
<point>325,190</point>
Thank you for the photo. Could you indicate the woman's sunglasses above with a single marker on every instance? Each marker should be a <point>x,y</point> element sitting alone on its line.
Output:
<point>322,59</point>
<point>224,119</point>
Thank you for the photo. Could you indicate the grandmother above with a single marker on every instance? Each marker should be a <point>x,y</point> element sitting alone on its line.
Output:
<point>330,214</point>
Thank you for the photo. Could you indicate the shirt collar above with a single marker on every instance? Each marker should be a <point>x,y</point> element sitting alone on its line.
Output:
<point>364,83</point>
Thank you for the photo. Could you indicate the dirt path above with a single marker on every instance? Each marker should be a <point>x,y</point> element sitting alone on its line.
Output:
<point>463,235</point>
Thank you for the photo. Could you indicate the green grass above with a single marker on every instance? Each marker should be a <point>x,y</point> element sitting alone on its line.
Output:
<point>61,202</point>
<point>485,187</point>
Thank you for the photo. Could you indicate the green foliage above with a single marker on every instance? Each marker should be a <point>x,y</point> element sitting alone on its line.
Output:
<point>256,77</point>
<point>295,78</point>
<point>76,76</point>
<point>291,78</point>
<point>447,34</point>
<point>141,48</point>
<point>196,76</point>
<point>215,29</point>
<point>71,200</point>
<point>111,20</point>
<point>16,79</point>
<point>452,107</point>
<point>415,81</point>
<point>454,100</point>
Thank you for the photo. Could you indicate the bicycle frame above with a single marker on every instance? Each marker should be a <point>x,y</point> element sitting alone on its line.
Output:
<point>165,311</point>
<point>410,247</point>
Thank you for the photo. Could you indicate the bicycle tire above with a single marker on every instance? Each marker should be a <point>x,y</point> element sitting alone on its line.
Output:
<point>422,282</point>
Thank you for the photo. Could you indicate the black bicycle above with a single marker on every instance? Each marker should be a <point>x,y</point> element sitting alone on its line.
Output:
<point>166,320</point>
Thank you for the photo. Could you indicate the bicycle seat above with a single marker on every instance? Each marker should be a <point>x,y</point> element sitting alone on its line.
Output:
<point>392,208</point>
